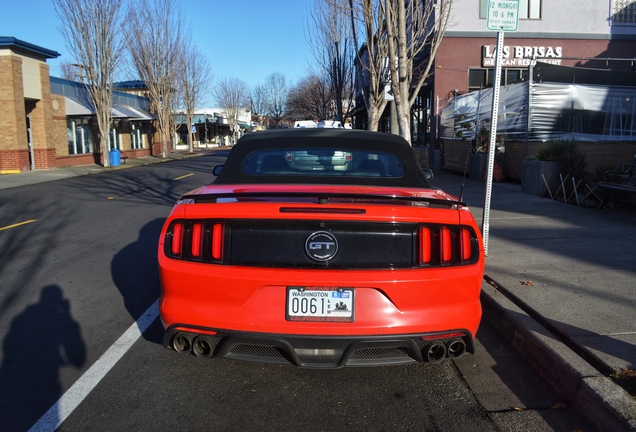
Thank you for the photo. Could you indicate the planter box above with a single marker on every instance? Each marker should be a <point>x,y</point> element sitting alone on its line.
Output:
<point>455,153</point>
<point>478,165</point>
<point>533,173</point>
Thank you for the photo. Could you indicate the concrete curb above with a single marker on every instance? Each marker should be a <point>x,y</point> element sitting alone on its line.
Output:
<point>597,398</point>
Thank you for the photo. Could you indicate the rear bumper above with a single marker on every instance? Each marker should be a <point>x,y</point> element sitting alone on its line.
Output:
<point>320,351</point>
<point>242,299</point>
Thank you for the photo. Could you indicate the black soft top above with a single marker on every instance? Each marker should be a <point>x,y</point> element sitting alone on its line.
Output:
<point>324,138</point>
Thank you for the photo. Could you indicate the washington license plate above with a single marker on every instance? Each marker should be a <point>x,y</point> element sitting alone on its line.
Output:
<point>320,304</point>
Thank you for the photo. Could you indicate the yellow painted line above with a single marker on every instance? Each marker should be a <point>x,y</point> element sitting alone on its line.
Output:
<point>17,225</point>
<point>184,176</point>
<point>10,171</point>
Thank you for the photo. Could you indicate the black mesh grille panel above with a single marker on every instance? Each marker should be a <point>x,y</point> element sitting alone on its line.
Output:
<point>256,351</point>
<point>319,360</point>
<point>379,353</point>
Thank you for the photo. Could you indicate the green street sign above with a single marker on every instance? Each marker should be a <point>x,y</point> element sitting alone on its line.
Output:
<point>503,15</point>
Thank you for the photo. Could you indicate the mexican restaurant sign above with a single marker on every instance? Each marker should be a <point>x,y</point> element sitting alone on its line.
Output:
<point>520,56</point>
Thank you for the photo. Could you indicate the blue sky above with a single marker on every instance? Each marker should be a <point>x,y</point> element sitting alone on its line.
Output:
<point>247,39</point>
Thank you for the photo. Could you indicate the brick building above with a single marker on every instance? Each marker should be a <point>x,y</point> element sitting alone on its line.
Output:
<point>30,116</point>
<point>49,122</point>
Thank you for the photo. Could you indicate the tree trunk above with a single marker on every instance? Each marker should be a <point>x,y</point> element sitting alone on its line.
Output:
<point>103,143</point>
<point>190,145</point>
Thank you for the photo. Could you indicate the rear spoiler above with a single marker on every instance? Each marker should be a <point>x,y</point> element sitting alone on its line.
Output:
<point>320,198</point>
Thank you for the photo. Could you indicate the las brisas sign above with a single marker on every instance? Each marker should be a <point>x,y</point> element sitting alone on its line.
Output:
<point>518,56</point>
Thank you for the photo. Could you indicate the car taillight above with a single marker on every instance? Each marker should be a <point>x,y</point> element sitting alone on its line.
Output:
<point>200,240</point>
<point>217,241</point>
<point>446,245</point>
<point>196,240</point>
<point>465,244</point>
<point>446,248</point>
<point>177,239</point>
<point>425,245</point>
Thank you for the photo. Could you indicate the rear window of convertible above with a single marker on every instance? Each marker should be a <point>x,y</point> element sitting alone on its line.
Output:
<point>318,161</point>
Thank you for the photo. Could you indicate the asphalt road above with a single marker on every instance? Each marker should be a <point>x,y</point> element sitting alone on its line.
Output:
<point>78,268</point>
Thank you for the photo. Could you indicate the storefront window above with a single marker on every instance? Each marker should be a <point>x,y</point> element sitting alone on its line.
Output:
<point>79,136</point>
<point>114,135</point>
<point>136,135</point>
<point>484,78</point>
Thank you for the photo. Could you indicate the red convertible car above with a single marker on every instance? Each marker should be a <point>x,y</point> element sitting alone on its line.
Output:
<point>321,248</point>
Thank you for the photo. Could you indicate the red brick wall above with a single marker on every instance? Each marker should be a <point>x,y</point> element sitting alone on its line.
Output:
<point>74,160</point>
<point>11,160</point>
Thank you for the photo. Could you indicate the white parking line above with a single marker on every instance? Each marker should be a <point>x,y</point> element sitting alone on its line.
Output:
<point>63,408</point>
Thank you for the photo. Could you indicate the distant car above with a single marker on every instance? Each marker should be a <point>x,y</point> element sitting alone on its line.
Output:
<point>330,124</point>
<point>278,263</point>
<point>306,124</point>
<point>319,159</point>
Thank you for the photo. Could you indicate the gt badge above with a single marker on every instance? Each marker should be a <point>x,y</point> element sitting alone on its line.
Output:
<point>321,246</point>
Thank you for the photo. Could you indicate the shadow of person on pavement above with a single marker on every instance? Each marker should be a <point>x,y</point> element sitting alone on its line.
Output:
<point>135,271</point>
<point>42,340</point>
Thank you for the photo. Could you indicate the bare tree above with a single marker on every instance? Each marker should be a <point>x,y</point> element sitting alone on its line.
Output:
<point>195,79</point>
<point>157,34</point>
<point>367,24</point>
<point>70,71</point>
<point>258,104</point>
<point>232,95</point>
<point>276,90</point>
<point>95,36</point>
<point>332,46</point>
<point>413,28</point>
<point>310,99</point>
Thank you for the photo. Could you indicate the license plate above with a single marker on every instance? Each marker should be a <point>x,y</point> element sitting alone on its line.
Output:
<point>320,304</point>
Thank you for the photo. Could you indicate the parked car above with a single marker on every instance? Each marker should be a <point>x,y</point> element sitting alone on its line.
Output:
<point>275,263</point>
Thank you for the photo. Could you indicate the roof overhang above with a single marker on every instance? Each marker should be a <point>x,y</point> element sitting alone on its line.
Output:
<point>77,107</point>
<point>27,48</point>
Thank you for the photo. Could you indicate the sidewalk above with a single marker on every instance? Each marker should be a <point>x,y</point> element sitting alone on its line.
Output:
<point>42,176</point>
<point>574,266</point>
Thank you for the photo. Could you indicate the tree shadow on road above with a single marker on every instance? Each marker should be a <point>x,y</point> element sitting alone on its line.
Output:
<point>42,340</point>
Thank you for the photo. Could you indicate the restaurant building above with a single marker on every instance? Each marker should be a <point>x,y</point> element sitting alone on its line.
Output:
<point>563,53</point>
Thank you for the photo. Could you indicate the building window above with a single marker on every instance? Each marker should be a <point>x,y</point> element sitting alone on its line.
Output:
<point>623,12</point>
<point>114,135</point>
<point>484,78</point>
<point>78,131</point>
<point>528,9</point>
<point>136,135</point>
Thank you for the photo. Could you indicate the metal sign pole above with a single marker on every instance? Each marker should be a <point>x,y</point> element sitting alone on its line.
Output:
<point>492,143</point>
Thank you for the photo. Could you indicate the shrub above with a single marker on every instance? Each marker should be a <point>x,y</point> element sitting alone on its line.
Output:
<point>480,135</point>
<point>569,154</point>
<point>601,170</point>
<point>544,154</point>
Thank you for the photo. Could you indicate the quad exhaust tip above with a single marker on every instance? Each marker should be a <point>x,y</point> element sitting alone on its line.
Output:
<point>182,342</point>
<point>438,350</point>
<point>203,346</point>
<point>455,348</point>
<point>200,345</point>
